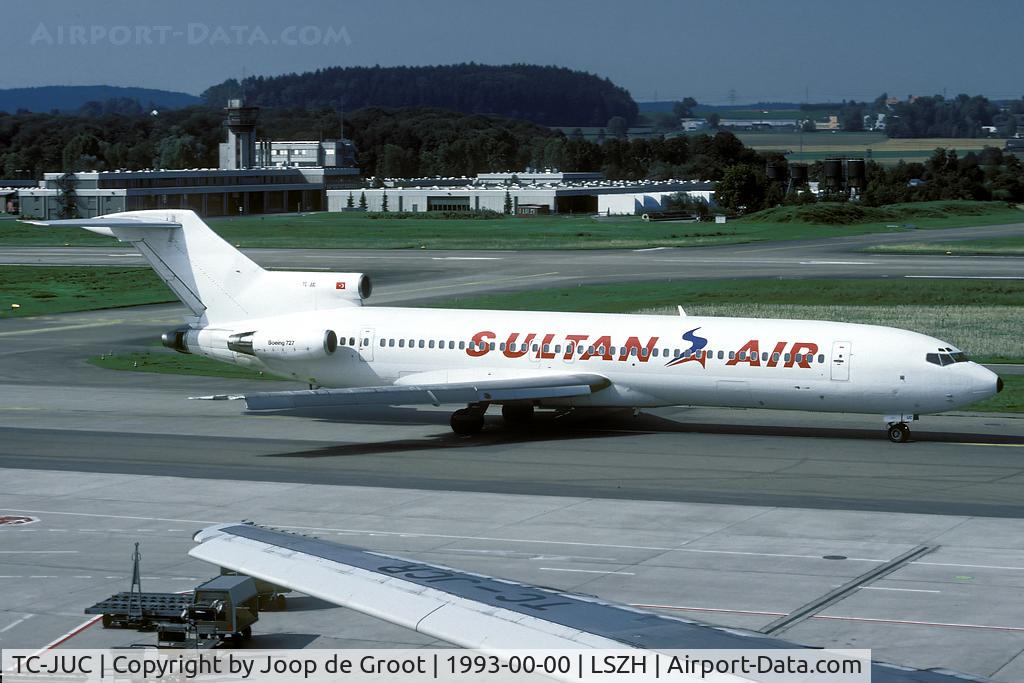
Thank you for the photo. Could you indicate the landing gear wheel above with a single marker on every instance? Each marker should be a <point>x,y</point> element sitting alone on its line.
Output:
<point>247,633</point>
<point>899,433</point>
<point>279,603</point>
<point>466,422</point>
<point>517,413</point>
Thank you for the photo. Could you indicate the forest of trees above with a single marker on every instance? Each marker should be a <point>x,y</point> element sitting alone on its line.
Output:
<point>986,175</point>
<point>391,143</point>
<point>546,95</point>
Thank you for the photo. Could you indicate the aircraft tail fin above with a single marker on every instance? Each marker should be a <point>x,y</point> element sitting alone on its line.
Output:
<point>215,280</point>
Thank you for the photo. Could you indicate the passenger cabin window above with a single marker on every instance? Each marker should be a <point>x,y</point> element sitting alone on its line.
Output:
<point>431,345</point>
<point>351,341</point>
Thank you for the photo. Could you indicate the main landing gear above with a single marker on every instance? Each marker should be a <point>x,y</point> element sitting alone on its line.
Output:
<point>897,428</point>
<point>470,420</point>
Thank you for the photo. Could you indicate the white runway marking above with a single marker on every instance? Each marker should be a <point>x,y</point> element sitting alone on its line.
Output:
<point>36,552</point>
<point>870,620</point>
<point>965,277</point>
<point>7,628</point>
<point>649,249</point>
<point>969,566</point>
<point>406,534</point>
<point>465,258</point>
<point>584,571</point>
<point>837,263</point>
<point>61,328</point>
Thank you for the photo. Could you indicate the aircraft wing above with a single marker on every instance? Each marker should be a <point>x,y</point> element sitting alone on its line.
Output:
<point>462,390</point>
<point>473,610</point>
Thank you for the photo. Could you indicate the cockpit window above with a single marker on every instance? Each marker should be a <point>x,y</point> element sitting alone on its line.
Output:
<point>942,359</point>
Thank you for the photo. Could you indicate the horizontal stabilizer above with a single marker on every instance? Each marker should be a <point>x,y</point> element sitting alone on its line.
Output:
<point>104,223</point>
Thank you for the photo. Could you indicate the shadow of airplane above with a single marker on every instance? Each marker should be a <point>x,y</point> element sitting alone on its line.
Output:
<point>547,427</point>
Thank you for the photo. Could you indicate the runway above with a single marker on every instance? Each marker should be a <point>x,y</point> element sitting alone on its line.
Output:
<point>78,440</point>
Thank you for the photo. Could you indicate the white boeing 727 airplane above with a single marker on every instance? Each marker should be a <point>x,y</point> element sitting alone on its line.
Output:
<point>311,326</point>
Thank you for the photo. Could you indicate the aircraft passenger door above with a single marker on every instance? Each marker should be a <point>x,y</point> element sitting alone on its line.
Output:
<point>366,343</point>
<point>841,361</point>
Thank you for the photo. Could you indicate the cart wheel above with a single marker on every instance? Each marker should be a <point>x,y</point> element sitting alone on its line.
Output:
<point>107,621</point>
<point>247,633</point>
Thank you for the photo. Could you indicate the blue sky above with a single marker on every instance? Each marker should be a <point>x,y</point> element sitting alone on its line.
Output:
<point>783,50</point>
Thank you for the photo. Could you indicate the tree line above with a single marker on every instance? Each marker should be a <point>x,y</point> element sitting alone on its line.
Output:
<point>548,95</point>
<point>406,142</point>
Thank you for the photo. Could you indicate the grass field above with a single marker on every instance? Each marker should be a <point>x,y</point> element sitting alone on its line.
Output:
<point>1002,246</point>
<point>1010,400</point>
<point>362,231</point>
<point>45,290</point>
<point>173,363</point>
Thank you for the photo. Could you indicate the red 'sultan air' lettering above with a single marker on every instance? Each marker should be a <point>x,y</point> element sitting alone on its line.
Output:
<point>749,353</point>
<point>602,347</point>
<point>546,344</point>
<point>574,340</point>
<point>524,347</point>
<point>805,349</point>
<point>642,352</point>
<point>480,345</point>
<point>773,359</point>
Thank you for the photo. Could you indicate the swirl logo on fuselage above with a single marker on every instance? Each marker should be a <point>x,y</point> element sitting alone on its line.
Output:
<point>693,353</point>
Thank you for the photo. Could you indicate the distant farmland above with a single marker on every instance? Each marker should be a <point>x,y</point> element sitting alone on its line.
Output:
<point>876,146</point>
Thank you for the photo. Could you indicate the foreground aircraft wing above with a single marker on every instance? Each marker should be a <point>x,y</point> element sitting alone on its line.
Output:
<point>472,610</point>
<point>485,390</point>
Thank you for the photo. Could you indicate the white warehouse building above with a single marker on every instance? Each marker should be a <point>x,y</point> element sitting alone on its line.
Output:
<point>546,193</point>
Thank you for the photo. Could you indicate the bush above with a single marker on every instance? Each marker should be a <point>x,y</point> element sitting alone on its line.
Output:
<point>441,215</point>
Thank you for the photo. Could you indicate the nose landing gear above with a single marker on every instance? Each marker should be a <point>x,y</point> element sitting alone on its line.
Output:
<point>897,429</point>
<point>899,433</point>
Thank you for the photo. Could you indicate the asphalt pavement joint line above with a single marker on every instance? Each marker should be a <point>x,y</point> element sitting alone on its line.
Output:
<point>810,609</point>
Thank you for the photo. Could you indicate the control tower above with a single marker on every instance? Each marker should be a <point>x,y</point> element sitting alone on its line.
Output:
<point>240,149</point>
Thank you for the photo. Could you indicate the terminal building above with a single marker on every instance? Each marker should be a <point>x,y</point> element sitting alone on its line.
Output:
<point>254,177</point>
<point>528,193</point>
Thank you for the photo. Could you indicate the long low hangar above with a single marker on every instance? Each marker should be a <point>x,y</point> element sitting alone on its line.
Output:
<point>520,193</point>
